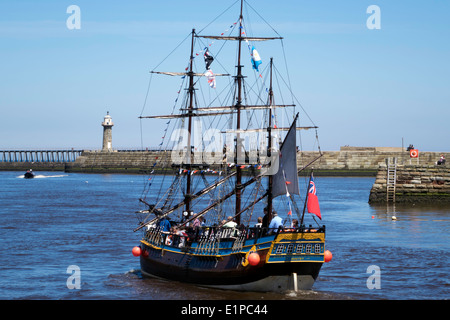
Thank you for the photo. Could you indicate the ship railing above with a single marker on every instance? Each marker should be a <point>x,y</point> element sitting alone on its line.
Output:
<point>208,239</point>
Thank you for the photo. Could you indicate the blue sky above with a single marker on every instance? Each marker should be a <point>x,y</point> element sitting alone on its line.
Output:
<point>361,87</point>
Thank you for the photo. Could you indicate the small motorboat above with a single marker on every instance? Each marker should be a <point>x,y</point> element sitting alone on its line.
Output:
<point>29,174</point>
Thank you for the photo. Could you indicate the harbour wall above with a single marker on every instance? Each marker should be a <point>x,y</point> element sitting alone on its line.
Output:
<point>36,166</point>
<point>346,162</point>
<point>349,161</point>
<point>363,161</point>
<point>423,183</point>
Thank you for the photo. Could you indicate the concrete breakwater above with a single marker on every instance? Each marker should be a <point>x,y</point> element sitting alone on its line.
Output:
<point>361,161</point>
<point>349,161</point>
<point>119,161</point>
<point>413,184</point>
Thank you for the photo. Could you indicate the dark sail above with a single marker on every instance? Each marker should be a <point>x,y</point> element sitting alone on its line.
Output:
<point>208,58</point>
<point>286,178</point>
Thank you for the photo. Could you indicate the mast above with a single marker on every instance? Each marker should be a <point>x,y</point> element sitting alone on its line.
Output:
<point>238,185</point>
<point>269,145</point>
<point>191,89</point>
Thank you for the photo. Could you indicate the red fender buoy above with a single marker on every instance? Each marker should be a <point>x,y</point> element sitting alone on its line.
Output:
<point>327,256</point>
<point>136,251</point>
<point>253,259</point>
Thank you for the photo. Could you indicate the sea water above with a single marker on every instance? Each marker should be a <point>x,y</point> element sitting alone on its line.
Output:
<point>69,236</point>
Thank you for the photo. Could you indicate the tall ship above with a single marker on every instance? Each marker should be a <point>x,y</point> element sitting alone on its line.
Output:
<point>222,205</point>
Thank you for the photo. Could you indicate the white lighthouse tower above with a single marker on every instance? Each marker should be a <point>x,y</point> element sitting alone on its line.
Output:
<point>107,132</point>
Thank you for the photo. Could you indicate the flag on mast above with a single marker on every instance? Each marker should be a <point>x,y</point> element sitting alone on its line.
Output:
<point>313,201</point>
<point>256,59</point>
<point>208,58</point>
<point>211,78</point>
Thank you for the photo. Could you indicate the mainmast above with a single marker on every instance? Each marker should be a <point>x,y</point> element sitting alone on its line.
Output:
<point>269,145</point>
<point>238,185</point>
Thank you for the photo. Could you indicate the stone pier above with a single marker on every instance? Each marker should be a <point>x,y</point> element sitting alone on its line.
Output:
<point>123,161</point>
<point>349,161</point>
<point>415,183</point>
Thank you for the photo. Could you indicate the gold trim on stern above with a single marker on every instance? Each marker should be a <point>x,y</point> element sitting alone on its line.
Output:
<point>295,239</point>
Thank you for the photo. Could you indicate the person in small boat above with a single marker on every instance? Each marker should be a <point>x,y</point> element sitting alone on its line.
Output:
<point>275,223</point>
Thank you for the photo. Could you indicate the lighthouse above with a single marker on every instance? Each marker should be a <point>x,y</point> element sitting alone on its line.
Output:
<point>107,132</point>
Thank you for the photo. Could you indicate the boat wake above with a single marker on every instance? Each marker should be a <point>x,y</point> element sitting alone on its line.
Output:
<point>40,176</point>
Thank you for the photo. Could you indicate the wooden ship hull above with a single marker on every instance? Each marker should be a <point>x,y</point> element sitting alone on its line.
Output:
<point>286,260</point>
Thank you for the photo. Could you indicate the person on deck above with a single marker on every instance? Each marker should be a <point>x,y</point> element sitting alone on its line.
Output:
<point>259,224</point>
<point>197,222</point>
<point>266,218</point>
<point>276,222</point>
<point>164,224</point>
<point>230,223</point>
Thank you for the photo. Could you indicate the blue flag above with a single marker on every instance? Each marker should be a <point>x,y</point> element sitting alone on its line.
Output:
<point>256,59</point>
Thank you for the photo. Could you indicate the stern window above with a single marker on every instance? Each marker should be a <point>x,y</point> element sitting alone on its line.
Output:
<point>280,249</point>
<point>290,248</point>
<point>317,248</point>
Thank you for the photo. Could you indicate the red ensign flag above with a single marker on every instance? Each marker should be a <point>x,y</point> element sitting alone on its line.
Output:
<point>313,201</point>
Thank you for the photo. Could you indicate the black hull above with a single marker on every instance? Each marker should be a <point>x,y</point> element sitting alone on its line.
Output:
<point>231,270</point>
<point>228,277</point>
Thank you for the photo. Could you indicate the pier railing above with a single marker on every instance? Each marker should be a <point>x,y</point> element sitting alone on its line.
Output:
<point>39,155</point>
